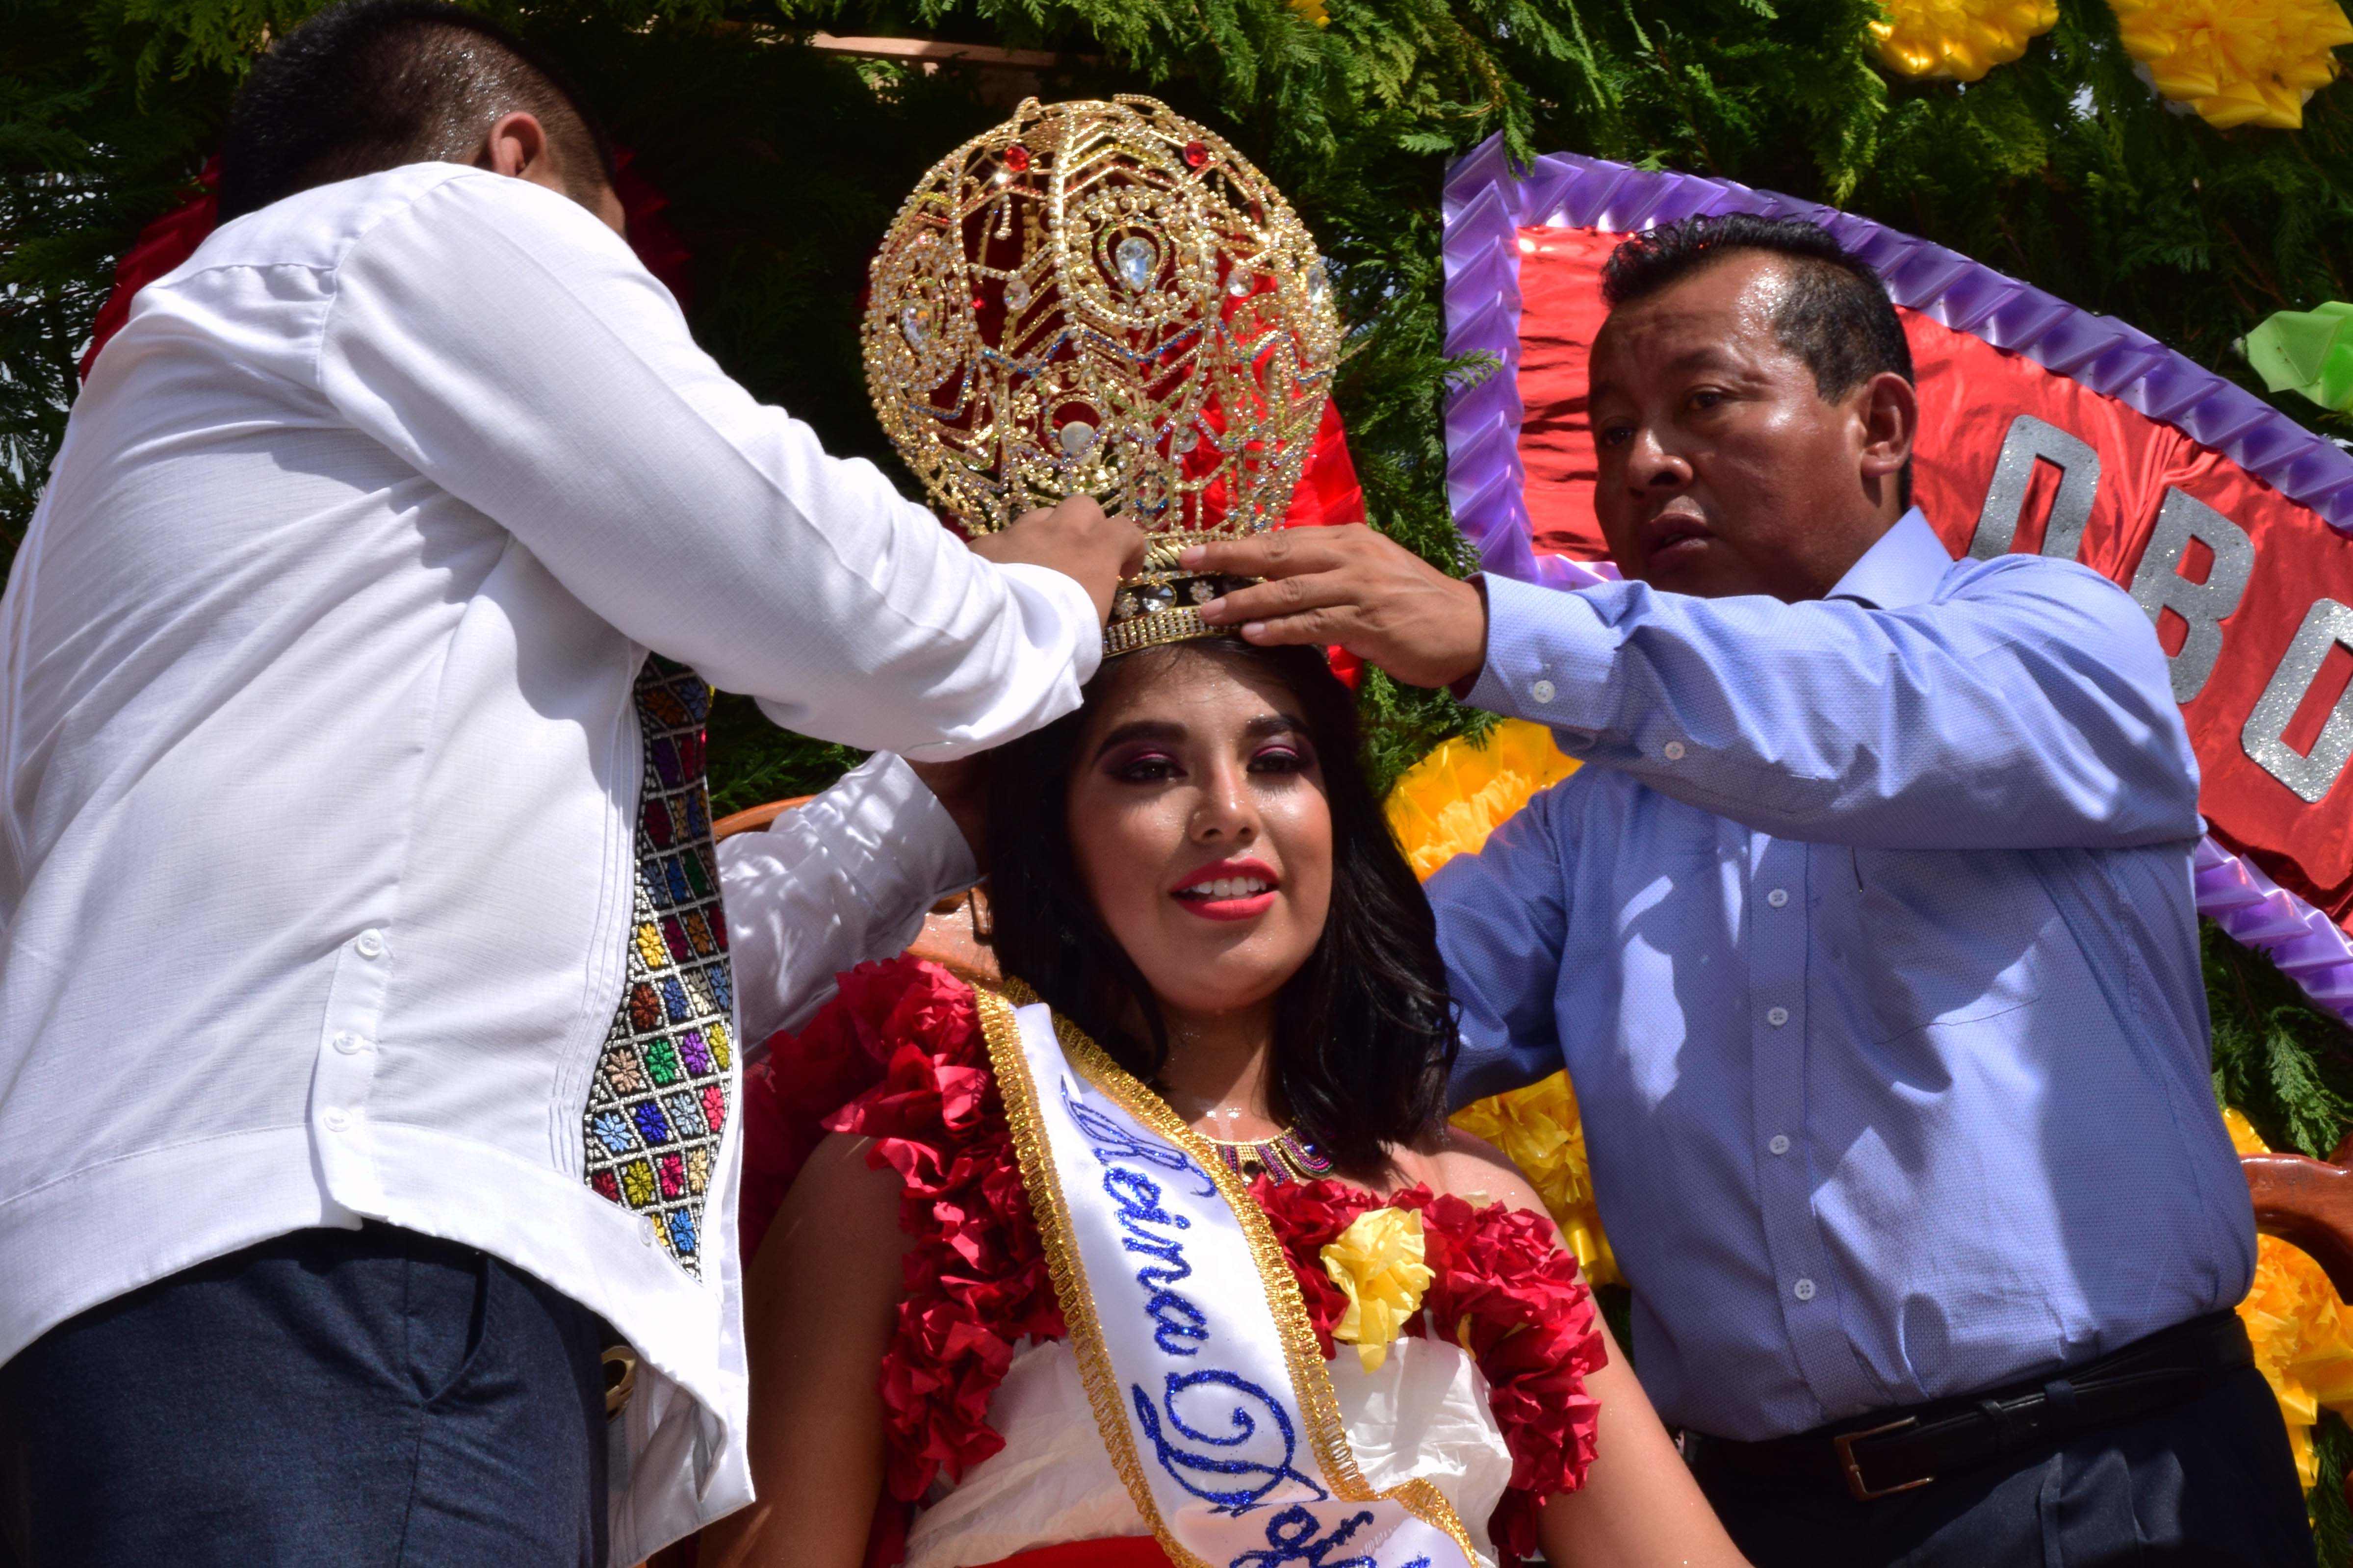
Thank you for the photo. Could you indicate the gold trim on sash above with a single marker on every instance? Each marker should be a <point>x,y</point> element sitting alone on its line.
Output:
<point>1008,1061</point>
<point>1310,1379</point>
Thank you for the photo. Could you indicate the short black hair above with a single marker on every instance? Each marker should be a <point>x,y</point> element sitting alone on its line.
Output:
<point>1836,317</point>
<point>1365,1033</point>
<point>373,84</point>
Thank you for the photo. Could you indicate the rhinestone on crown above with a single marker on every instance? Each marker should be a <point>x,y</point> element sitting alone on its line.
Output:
<point>1161,333</point>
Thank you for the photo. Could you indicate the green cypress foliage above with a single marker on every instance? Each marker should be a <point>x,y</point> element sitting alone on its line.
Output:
<point>2277,1058</point>
<point>2332,1524</point>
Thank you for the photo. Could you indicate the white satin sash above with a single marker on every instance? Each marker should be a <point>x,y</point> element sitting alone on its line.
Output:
<point>1197,1351</point>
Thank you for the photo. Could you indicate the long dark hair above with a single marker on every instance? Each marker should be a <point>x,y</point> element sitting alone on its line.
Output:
<point>1364,1032</point>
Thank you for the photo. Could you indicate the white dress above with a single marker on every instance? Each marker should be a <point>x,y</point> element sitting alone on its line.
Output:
<point>1424,1414</point>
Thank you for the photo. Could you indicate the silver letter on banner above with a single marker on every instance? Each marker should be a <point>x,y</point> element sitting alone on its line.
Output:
<point>2326,624</point>
<point>2071,509</point>
<point>2159,584</point>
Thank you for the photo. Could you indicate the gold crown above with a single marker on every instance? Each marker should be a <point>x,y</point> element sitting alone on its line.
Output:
<point>1105,299</point>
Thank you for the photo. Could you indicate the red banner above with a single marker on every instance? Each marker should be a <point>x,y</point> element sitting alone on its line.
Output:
<point>2252,593</point>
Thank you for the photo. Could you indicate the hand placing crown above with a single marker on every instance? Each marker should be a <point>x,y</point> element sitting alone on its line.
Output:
<point>1105,299</point>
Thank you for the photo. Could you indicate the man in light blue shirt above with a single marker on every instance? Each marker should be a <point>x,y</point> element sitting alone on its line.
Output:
<point>1866,937</point>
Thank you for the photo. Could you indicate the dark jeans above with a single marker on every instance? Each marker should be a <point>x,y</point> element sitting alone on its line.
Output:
<point>329,1397</point>
<point>2211,1483</point>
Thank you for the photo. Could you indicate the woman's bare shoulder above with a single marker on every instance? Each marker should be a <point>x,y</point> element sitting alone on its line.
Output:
<point>842,1210</point>
<point>1470,1168</point>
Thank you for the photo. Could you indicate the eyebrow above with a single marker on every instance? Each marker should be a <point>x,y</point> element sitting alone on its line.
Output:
<point>1690,359</point>
<point>1268,724</point>
<point>1259,728</point>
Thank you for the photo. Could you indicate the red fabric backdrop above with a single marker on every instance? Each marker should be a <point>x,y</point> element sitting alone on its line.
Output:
<point>1970,394</point>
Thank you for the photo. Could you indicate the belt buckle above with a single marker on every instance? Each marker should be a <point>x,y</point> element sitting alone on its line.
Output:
<point>1862,1491</point>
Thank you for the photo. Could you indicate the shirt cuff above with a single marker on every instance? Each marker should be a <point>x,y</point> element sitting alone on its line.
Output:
<point>1061,648</point>
<point>1551,655</point>
<point>1072,605</point>
<point>885,817</point>
<point>847,878</point>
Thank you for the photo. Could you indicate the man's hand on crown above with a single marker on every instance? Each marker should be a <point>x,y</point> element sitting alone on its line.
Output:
<point>1352,587</point>
<point>1076,539</point>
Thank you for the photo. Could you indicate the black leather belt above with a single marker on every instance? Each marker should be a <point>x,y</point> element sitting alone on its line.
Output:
<point>1892,1451</point>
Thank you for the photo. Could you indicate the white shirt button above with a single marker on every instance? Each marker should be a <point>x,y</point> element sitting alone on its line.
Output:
<point>1673,750</point>
<point>1779,1143</point>
<point>1777,1016</point>
<point>646,1235</point>
<point>351,1045</point>
<point>1542,691</point>
<point>335,1120</point>
<point>369,943</point>
<point>1803,1289</point>
<point>1778,898</point>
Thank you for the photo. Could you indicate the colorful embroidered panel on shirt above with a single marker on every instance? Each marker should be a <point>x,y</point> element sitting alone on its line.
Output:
<point>659,1104</point>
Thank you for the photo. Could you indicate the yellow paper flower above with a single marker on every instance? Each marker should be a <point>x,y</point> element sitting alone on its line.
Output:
<point>1538,1130</point>
<point>1447,803</point>
<point>2236,62</point>
<point>2304,1343</point>
<point>1959,38</point>
<point>1313,10</point>
<point>1378,1261</point>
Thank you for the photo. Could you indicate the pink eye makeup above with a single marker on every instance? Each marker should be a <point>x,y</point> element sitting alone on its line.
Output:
<point>1285,759</point>
<point>1148,766</point>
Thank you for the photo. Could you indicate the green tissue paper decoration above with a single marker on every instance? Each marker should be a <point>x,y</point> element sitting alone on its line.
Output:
<point>2309,352</point>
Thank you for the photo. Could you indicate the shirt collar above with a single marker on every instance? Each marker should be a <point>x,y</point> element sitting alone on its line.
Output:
<point>1902,570</point>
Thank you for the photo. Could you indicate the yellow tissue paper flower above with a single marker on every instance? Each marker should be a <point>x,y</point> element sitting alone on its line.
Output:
<point>1377,1262</point>
<point>1447,803</point>
<point>2303,1343</point>
<point>2236,62</point>
<point>1958,38</point>
<point>1538,1130</point>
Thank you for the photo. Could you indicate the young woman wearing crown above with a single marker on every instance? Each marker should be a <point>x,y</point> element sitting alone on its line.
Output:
<point>1157,1250</point>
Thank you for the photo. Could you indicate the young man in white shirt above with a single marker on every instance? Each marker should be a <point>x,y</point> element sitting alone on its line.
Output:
<point>368,1036</point>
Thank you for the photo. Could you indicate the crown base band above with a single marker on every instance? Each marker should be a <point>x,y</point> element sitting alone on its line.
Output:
<point>1157,628</point>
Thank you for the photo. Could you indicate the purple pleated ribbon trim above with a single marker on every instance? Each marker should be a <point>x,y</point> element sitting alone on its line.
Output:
<point>1487,201</point>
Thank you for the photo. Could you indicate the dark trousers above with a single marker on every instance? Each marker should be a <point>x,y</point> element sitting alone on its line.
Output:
<point>2209,1483</point>
<point>329,1397</point>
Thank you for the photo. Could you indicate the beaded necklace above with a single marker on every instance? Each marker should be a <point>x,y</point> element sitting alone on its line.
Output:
<point>1286,1157</point>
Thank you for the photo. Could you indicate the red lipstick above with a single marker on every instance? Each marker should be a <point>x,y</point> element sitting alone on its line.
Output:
<point>1228,891</point>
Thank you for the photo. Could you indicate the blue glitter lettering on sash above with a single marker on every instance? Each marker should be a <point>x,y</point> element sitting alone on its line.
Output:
<point>1247,1480</point>
<point>1113,1141</point>
<point>1291,1538</point>
<point>1234,1471</point>
<point>1175,1319</point>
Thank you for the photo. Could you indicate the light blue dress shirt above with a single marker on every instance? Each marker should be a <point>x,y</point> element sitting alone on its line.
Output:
<point>1866,937</point>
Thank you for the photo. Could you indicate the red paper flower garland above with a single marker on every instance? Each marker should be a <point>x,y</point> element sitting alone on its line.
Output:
<point>1507,1294</point>
<point>904,1038</point>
